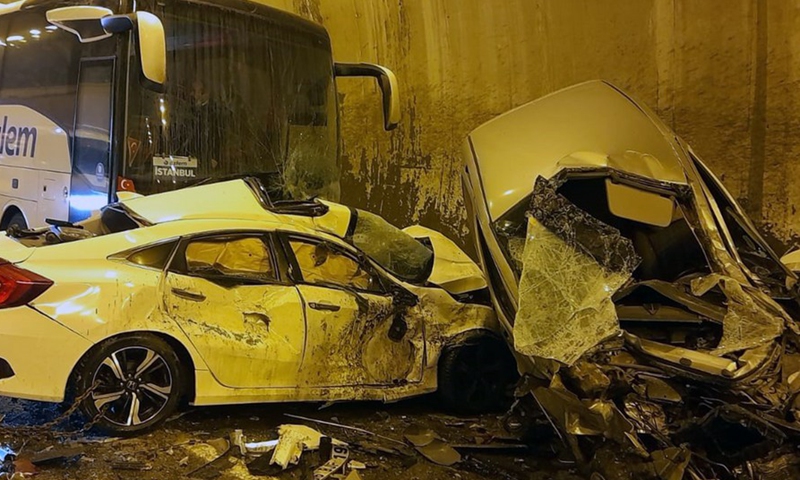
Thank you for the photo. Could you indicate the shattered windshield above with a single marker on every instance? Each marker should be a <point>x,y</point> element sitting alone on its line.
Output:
<point>398,252</point>
<point>246,94</point>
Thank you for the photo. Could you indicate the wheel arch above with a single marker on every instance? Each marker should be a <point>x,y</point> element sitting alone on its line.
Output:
<point>469,337</point>
<point>187,362</point>
<point>11,209</point>
<point>463,338</point>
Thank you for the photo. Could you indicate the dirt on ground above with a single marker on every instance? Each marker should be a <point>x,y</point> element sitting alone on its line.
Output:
<point>189,444</point>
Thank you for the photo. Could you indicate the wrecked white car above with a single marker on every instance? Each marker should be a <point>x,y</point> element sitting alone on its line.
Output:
<point>643,304</point>
<point>215,295</point>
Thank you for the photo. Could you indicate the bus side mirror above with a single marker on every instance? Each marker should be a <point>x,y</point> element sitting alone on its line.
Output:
<point>387,83</point>
<point>152,43</point>
<point>82,21</point>
<point>91,24</point>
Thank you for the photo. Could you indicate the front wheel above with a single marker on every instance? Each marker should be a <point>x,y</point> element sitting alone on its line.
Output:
<point>137,383</point>
<point>477,376</point>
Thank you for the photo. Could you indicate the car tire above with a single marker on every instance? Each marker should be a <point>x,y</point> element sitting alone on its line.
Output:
<point>17,219</point>
<point>477,376</point>
<point>131,403</point>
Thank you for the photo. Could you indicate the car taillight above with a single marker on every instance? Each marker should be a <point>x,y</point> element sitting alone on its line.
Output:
<point>19,286</point>
<point>125,185</point>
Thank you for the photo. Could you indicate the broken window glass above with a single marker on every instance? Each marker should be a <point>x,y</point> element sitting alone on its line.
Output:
<point>391,248</point>
<point>572,265</point>
<point>243,257</point>
<point>321,264</point>
<point>752,319</point>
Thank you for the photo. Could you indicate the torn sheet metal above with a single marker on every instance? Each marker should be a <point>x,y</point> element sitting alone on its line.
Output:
<point>593,418</point>
<point>572,266</point>
<point>749,322</point>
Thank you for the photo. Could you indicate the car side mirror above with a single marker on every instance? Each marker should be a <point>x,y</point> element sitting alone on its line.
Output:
<point>387,82</point>
<point>91,24</point>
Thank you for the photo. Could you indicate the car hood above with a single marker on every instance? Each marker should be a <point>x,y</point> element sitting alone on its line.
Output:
<point>453,270</point>
<point>592,124</point>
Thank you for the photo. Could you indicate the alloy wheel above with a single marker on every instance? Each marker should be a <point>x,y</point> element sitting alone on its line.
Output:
<point>133,385</point>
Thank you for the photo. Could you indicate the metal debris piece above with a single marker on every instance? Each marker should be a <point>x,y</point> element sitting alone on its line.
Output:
<point>493,447</point>
<point>346,427</point>
<point>660,391</point>
<point>56,455</point>
<point>130,465</point>
<point>432,447</point>
<point>671,463</point>
<point>223,447</point>
<point>648,417</point>
<point>289,448</point>
<point>353,475</point>
<point>251,448</point>
<point>587,378</point>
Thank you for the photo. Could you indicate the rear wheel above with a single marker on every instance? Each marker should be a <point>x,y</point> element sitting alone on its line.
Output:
<point>477,376</point>
<point>137,380</point>
<point>18,220</point>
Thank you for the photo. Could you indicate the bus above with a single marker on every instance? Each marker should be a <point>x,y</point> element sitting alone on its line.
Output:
<point>105,98</point>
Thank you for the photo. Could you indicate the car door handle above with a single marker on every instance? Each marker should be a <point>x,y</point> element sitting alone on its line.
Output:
<point>324,306</point>
<point>195,297</point>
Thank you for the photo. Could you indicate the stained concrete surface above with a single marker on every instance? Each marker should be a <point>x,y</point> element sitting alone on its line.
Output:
<point>183,437</point>
<point>723,73</point>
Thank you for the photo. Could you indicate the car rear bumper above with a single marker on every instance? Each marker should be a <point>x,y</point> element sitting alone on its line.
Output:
<point>40,354</point>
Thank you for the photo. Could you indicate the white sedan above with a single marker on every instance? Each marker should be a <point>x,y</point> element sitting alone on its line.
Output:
<point>215,295</point>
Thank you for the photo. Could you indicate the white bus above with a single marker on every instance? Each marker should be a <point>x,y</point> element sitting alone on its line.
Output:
<point>103,96</point>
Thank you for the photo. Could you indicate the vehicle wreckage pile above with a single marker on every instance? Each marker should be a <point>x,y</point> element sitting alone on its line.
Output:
<point>712,393</point>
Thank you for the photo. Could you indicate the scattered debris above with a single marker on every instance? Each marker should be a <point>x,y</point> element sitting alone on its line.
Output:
<point>432,447</point>
<point>222,447</point>
<point>130,465</point>
<point>52,455</point>
<point>346,427</point>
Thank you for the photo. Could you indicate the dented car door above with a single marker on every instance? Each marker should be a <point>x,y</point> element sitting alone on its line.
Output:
<point>226,294</point>
<point>357,334</point>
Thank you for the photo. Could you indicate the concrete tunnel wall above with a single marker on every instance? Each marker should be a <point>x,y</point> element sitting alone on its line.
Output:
<point>723,73</point>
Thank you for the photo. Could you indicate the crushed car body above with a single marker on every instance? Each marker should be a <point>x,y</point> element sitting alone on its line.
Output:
<point>643,305</point>
<point>217,294</point>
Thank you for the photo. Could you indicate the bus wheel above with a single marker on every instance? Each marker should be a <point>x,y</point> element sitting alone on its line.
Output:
<point>18,220</point>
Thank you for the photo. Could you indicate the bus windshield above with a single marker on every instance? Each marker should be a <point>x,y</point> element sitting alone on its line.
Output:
<point>245,94</point>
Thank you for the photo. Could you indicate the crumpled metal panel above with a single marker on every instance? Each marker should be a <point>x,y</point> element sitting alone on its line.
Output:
<point>748,323</point>
<point>572,265</point>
